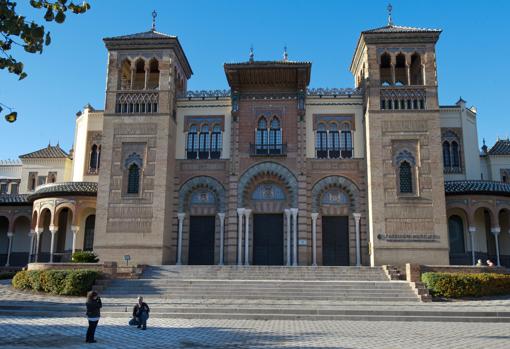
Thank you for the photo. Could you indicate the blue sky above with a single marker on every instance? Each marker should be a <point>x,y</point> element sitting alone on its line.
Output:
<point>472,53</point>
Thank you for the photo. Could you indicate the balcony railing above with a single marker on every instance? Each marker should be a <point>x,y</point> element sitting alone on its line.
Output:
<point>334,153</point>
<point>198,154</point>
<point>137,102</point>
<point>403,98</point>
<point>268,149</point>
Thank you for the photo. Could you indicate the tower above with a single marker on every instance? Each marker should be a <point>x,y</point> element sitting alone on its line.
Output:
<point>396,67</point>
<point>146,72</point>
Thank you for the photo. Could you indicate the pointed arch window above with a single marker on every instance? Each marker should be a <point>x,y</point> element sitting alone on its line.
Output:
<point>346,141</point>
<point>446,154</point>
<point>321,141</point>
<point>416,70</point>
<point>95,156</point>
<point>204,142</point>
<point>216,142</point>
<point>334,141</point>
<point>261,137</point>
<point>385,69</point>
<point>455,155</point>
<point>133,186</point>
<point>192,143</point>
<point>406,178</point>
<point>451,153</point>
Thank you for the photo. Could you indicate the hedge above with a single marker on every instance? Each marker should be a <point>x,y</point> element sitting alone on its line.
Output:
<point>84,257</point>
<point>57,282</point>
<point>459,285</point>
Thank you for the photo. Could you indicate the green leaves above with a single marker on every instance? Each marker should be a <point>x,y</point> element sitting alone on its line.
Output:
<point>31,36</point>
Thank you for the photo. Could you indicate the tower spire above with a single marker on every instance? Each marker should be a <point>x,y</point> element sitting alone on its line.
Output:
<point>390,19</point>
<point>154,15</point>
<point>251,53</point>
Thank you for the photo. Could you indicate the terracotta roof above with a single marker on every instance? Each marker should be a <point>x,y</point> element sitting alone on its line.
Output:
<point>477,187</point>
<point>151,34</point>
<point>502,147</point>
<point>50,152</point>
<point>401,29</point>
<point>13,199</point>
<point>64,189</point>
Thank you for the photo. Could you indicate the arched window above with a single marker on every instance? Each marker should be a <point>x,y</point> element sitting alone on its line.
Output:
<point>346,141</point>
<point>88,239</point>
<point>139,78</point>
<point>192,144</point>
<point>153,81</point>
<point>133,186</point>
<point>406,177</point>
<point>93,163</point>
<point>416,70</point>
<point>446,154</point>
<point>261,139</point>
<point>99,157</point>
<point>321,141</point>
<point>204,142</point>
<point>125,75</point>
<point>400,70</point>
<point>216,142</point>
<point>385,69</point>
<point>455,155</point>
<point>275,137</point>
<point>456,235</point>
<point>334,141</point>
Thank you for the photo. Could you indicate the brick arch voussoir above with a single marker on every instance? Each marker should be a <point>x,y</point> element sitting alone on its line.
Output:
<point>344,183</point>
<point>198,183</point>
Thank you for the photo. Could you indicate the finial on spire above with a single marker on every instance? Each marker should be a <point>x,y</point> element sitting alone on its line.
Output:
<point>390,20</point>
<point>154,15</point>
<point>251,53</point>
<point>285,54</point>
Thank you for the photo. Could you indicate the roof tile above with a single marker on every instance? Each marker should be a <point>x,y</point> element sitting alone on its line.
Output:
<point>50,152</point>
<point>477,187</point>
<point>401,29</point>
<point>502,147</point>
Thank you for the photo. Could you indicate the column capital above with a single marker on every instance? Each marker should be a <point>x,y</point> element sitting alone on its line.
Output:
<point>31,233</point>
<point>496,230</point>
<point>10,234</point>
<point>181,216</point>
<point>53,229</point>
<point>294,211</point>
<point>314,216</point>
<point>240,211</point>
<point>357,216</point>
<point>287,212</point>
<point>38,230</point>
<point>221,215</point>
<point>247,212</point>
<point>472,230</point>
<point>75,228</point>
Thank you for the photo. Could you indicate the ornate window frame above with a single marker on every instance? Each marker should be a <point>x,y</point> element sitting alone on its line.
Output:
<point>450,137</point>
<point>408,156</point>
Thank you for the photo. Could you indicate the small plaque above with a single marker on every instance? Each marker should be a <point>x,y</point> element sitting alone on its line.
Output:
<point>302,242</point>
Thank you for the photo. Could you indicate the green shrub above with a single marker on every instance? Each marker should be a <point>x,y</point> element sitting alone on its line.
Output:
<point>7,275</point>
<point>58,282</point>
<point>84,257</point>
<point>21,280</point>
<point>458,285</point>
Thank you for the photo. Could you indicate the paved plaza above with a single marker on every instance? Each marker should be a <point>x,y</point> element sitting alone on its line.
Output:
<point>190,334</point>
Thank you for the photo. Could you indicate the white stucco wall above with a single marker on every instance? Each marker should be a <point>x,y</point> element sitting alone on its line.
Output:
<point>335,106</point>
<point>221,107</point>
<point>86,122</point>
<point>43,167</point>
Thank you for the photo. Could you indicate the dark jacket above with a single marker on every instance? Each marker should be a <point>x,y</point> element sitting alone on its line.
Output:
<point>138,308</point>
<point>93,307</point>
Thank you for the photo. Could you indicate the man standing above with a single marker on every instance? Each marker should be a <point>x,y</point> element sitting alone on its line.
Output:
<point>141,313</point>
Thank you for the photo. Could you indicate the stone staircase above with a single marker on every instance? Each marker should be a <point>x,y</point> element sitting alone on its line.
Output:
<point>263,293</point>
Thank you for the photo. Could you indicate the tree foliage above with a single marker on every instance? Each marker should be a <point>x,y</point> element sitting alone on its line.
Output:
<point>17,31</point>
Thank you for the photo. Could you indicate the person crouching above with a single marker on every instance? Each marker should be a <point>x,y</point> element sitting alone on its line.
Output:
<point>141,313</point>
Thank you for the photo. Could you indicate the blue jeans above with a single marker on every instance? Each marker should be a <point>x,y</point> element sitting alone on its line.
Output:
<point>142,319</point>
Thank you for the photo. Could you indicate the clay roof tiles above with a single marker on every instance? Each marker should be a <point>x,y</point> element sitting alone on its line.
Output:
<point>50,152</point>
<point>502,147</point>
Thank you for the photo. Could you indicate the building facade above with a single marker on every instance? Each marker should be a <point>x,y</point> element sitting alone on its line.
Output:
<point>271,171</point>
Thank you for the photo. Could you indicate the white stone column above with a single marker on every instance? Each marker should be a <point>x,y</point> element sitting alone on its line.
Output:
<point>408,74</point>
<point>74,229</point>
<point>180,217</point>
<point>132,78</point>
<point>9,247</point>
<point>31,235</point>
<point>247,213</point>
<point>314,238</point>
<point>495,231</point>
<point>357,217</point>
<point>240,214</point>
<point>294,212</point>
<point>146,82</point>
<point>221,216</point>
<point>53,231</point>
<point>472,231</point>
<point>38,232</point>
<point>289,234</point>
